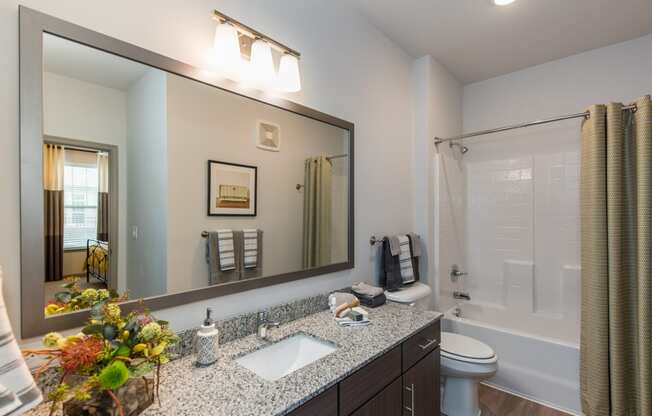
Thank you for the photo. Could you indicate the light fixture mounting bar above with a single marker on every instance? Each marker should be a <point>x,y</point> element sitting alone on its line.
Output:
<point>241,27</point>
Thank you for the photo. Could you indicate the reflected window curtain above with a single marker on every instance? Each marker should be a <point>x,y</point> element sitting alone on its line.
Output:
<point>616,223</point>
<point>317,212</point>
<point>103,196</point>
<point>53,166</point>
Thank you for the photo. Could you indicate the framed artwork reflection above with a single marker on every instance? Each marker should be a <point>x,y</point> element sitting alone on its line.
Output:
<point>232,189</point>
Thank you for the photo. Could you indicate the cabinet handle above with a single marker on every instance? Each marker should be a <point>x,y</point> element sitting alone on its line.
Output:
<point>428,345</point>
<point>411,408</point>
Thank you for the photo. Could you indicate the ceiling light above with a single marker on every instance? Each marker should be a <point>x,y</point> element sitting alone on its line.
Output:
<point>227,50</point>
<point>289,79</point>
<point>503,2</point>
<point>262,65</point>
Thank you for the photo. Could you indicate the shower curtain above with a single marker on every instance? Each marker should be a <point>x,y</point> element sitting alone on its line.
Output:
<point>317,212</point>
<point>103,197</point>
<point>53,165</point>
<point>616,211</point>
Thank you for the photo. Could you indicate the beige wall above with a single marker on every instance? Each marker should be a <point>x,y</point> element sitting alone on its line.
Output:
<point>73,262</point>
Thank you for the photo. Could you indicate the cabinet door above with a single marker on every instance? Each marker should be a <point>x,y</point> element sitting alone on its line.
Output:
<point>386,403</point>
<point>323,405</point>
<point>421,387</point>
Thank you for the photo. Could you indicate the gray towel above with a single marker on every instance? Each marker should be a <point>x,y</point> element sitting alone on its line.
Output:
<point>405,259</point>
<point>363,288</point>
<point>394,245</point>
<point>415,241</point>
<point>215,273</point>
<point>255,270</point>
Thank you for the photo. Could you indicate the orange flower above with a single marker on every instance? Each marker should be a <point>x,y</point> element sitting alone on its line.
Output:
<point>80,354</point>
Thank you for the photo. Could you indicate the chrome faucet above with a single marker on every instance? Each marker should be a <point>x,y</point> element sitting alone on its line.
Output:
<point>456,273</point>
<point>264,324</point>
<point>461,295</point>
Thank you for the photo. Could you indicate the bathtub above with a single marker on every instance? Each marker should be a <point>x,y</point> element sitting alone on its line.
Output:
<point>544,370</point>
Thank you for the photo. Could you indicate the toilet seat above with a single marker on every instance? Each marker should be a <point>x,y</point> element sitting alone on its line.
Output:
<point>466,349</point>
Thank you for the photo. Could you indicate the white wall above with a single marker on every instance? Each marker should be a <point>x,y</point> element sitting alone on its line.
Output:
<point>104,121</point>
<point>438,184</point>
<point>349,69</point>
<point>147,186</point>
<point>208,124</point>
<point>523,206</point>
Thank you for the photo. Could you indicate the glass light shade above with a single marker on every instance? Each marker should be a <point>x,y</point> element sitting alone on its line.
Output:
<point>227,50</point>
<point>503,2</point>
<point>262,65</point>
<point>289,78</point>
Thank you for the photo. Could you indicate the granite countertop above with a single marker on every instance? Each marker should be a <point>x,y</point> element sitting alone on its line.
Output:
<point>226,388</point>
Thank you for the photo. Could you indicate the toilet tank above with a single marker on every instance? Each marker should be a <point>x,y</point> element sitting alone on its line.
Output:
<point>417,295</point>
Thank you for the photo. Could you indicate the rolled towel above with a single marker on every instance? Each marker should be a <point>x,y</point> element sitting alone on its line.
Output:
<point>18,392</point>
<point>363,288</point>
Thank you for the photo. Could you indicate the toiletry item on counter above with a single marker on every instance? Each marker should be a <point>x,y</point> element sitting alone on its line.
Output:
<point>369,295</point>
<point>345,307</point>
<point>356,316</point>
<point>207,342</point>
<point>336,299</point>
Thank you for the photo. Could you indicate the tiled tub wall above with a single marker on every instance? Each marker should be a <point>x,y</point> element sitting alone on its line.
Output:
<point>523,241</point>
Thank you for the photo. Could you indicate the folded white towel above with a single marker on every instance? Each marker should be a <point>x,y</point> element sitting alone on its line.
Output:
<point>363,288</point>
<point>250,248</point>
<point>18,392</point>
<point>405,259</point>
<point>225,249</point>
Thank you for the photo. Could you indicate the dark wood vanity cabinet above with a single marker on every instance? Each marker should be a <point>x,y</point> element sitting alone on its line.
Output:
<point>401,382</point>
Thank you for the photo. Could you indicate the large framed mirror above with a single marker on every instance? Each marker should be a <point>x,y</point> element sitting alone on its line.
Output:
<point>143,178</point>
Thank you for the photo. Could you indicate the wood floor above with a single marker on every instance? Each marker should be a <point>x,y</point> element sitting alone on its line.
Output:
<point>494,402</point>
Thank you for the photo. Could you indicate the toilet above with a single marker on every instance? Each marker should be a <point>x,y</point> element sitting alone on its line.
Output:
<point>465,361</point>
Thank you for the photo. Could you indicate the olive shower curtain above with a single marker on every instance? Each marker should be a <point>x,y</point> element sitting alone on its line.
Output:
<point>616,211</point>
<point>317,188</point>
<point>53,165</point>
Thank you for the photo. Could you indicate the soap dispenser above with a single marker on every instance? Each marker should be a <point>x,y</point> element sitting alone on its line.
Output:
<point>207,342</point>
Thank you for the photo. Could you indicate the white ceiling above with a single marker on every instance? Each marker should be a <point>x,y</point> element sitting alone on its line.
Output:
<point>75,60</point>
<point>476,40</point>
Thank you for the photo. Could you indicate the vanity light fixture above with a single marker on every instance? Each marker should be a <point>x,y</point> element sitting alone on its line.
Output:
<point>503,2</point>
<point>254,63</point>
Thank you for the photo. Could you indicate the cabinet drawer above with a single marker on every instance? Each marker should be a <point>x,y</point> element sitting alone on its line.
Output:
<point>420,344</point>
<point>323,405</point>
<point>365,383</point>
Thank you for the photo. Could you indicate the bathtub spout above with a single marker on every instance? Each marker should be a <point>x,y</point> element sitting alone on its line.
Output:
<point>461,295</point>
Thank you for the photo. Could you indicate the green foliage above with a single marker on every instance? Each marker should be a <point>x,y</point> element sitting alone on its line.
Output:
<point>114,375</point>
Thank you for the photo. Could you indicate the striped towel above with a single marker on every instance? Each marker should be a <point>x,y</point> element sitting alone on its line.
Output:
<point>405,259</point>
<point>250,248</point>
<point>225,250</point>
<point>18,392</point>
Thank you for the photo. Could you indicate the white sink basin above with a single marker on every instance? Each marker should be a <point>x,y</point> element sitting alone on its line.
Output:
<point>284,357</point>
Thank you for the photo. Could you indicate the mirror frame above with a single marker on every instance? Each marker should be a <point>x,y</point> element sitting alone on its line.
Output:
<point>33,25</point>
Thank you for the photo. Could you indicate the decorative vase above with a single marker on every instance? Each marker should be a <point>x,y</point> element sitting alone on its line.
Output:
<point>136,395</point>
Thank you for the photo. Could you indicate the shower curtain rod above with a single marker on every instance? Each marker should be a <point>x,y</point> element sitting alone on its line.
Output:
<point>521,125</point>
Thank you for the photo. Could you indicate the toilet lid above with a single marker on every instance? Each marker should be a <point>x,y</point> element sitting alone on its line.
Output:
<point>465,347</point>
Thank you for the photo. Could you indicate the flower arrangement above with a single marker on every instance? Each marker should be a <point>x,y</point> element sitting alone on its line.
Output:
<point>73,298</point>
<point>111,350</point>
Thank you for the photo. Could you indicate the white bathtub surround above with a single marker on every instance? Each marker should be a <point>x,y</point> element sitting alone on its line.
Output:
<point>543,370</point>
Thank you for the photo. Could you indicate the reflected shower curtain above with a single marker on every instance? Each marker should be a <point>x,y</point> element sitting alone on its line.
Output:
<point>317,212</point>
<point>53,165</point>
<point>103,196</point>
<point>616,210</point>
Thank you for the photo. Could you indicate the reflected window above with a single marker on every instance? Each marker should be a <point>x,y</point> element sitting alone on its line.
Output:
<point>80,188</point>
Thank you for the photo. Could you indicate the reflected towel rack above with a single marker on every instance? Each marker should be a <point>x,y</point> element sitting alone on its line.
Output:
<point>373,240</point>
<point>204,234</point>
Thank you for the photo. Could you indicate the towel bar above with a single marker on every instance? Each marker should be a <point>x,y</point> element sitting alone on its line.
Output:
<point>373,240</point>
